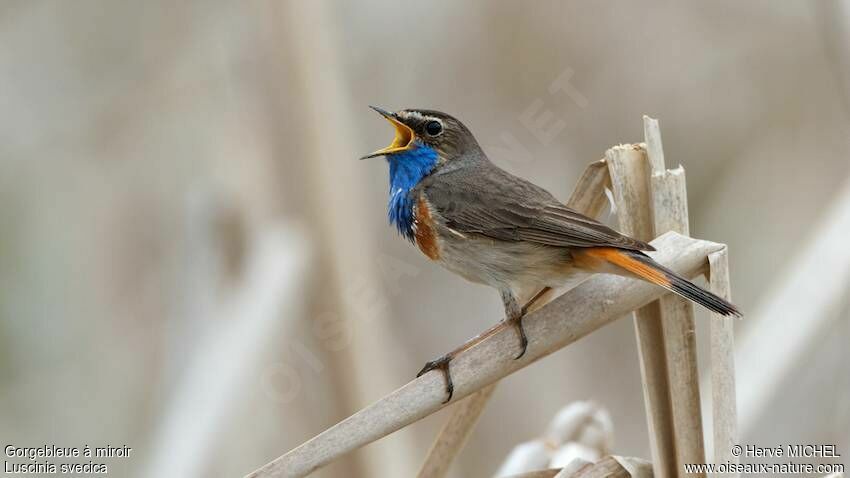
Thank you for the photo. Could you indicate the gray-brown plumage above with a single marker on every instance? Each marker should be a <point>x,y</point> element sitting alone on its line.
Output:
<point>494,228</point>
<point>484,199</point>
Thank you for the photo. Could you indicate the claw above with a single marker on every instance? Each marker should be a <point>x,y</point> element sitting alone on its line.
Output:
<point>441,364</point>
<point>523,340</point>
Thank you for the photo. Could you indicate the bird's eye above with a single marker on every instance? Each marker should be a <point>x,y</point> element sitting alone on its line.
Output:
<point>433,128</point>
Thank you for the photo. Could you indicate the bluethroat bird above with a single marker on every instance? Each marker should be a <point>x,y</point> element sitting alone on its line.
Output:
<point>491,227</point>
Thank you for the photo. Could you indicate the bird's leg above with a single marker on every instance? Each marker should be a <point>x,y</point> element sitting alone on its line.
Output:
<point>442,363</point>
<point>513,316</point>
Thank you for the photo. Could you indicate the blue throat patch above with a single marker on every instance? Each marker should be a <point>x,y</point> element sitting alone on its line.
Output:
<point>406,170</point>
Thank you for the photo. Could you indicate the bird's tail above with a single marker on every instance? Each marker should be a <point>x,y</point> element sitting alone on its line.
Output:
<point>641,265</point>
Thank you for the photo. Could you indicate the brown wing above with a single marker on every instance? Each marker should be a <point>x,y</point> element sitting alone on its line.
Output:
<point>487,200</point>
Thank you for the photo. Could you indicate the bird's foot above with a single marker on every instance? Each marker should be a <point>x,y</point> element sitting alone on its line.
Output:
<point>523,340</point>
<point>441,364</point>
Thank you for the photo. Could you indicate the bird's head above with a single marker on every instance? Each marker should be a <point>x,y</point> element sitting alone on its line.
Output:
<point>425,141</point>
<point>420,131</point>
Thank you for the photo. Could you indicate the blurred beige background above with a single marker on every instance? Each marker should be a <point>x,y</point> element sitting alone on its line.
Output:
<point>193,262</point>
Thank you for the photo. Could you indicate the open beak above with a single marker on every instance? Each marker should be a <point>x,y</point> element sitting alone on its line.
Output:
<point>403,135</point>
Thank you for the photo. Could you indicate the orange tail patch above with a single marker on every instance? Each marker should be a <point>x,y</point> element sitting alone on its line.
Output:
<point>591,257</point>
<point>604,259</point>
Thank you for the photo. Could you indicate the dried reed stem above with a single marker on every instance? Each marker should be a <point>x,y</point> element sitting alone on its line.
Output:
<point>670,211</point>
<point>538,474</point>
<point>630,178</point>
<point>589,196</point>
<point>580,311</point>
<point>651,199</point>
<point>724,410</point>
<point>614,467</point>
<point>454,433</point>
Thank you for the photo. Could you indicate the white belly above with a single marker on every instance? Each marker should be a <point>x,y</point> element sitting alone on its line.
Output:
<point>522,267</point>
